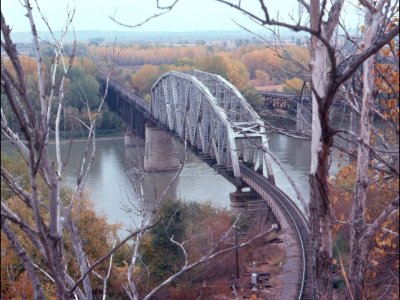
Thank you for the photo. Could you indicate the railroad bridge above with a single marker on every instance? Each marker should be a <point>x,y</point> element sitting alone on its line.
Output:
<point>298,105</point>
<point>211,115</point>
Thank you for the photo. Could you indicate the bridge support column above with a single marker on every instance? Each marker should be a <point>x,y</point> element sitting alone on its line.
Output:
<point>303,116</point>
<point>241,201</point>
<point>299,118</point>
<point>132,139</point>
<point>270,172</point>
<point>161,153</point>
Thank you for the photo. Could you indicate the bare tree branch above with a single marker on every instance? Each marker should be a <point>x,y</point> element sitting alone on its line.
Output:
<point>165,9</point>
<point>27,261</point>
<point>203,259</point>
<point>119,245</point>
<point>108,274</point>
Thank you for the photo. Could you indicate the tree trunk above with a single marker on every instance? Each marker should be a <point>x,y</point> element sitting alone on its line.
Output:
<point>320,223</point>
<point>321,141</point>
<point>358,246</point>
<point>79,252</point>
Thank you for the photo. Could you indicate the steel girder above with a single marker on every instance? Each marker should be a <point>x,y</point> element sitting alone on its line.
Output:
<point>211,114</point>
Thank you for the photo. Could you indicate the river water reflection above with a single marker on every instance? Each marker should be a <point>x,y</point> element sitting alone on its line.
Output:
<point>116,166</point>
<point>109,186</point>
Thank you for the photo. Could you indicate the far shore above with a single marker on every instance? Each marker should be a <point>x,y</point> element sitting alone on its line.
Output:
<point>79,140</point>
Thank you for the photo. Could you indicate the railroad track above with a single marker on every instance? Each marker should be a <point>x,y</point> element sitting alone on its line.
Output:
<point>295,219</point>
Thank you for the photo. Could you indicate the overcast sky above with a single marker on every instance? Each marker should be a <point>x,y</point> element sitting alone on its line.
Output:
<point>188,15</point>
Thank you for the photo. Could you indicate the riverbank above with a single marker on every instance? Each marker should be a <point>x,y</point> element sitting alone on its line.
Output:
<point>65,137</point>
<point>83,134</point>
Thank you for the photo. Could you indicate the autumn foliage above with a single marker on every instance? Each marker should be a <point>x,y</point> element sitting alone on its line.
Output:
<point>154,55</point>
<point>142,64</point>
<point>383,257</point>
<point>97,236</point>
<point>200,224</point>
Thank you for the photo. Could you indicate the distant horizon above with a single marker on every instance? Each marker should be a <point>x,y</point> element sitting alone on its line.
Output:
<point>199,34</point>
<point>138,32</point>
<point>187,16</point>
<point>240,31</point>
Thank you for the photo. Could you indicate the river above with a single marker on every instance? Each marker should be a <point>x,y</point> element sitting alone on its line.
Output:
<point>109,185</point>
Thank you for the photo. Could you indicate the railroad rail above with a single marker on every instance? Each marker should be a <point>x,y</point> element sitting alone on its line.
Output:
<point>284,207</point>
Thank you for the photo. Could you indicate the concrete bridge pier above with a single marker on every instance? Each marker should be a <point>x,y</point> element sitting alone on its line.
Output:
<point>129,137</point>
<point>132,139</point>
<point>303,116</point>
<point>161,152</point>
<point>241,200</point>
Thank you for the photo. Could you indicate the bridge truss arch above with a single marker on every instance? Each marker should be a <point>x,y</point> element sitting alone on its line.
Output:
<point>211,114</point>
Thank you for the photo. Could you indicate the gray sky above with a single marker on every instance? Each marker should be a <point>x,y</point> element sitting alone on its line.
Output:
<point>188,15</point>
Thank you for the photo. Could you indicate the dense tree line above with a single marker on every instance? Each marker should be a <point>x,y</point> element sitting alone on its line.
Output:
<point>81,93</point>
<point>250,64</point>
<point>155,55</point>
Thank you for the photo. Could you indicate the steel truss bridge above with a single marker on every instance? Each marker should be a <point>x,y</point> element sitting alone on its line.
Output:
<point>212,116</point>
<point>290,102</point>
<point>284,101</point>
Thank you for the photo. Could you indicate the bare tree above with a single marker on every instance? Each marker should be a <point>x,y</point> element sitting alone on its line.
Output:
<point>49,216</point>
<point>211,254</point>
<point>35,127</point>
<point>376,20</point>
<point>146,215</point>
<point>324,21</point>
